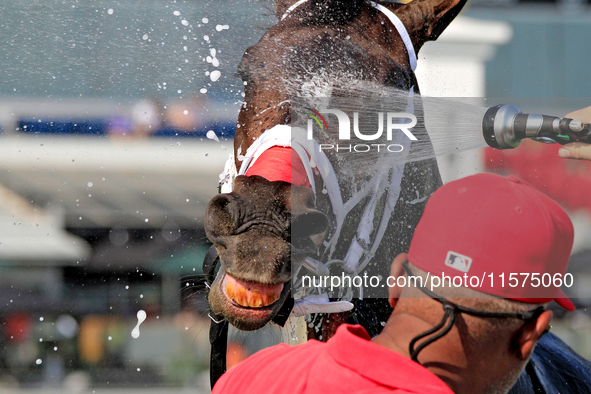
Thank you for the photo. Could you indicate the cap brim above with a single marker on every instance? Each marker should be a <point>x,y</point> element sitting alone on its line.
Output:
<point>565,302</point>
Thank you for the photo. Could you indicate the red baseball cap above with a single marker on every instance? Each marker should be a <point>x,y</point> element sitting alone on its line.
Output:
<point>496,228</point>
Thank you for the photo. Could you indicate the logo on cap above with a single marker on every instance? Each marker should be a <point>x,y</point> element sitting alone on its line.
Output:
<point>458,261</point>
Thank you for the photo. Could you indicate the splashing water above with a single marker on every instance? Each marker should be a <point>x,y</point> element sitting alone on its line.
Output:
<point>141,316</point>
<point>444,126</point>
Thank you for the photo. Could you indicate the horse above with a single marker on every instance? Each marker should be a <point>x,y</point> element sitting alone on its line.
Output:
<point>271,219</point>
<point>254,227</point>
<point>262,224</point>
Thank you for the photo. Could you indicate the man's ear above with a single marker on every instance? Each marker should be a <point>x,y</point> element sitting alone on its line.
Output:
<point>531,333</point>
<point>396,271</point>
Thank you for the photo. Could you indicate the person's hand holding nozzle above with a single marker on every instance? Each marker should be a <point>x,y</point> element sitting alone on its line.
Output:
<point>504,126</point>
<point>577,150</point>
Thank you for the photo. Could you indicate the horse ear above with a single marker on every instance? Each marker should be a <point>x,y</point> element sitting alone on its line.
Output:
<point>425,20</point>
<point>445,12</point>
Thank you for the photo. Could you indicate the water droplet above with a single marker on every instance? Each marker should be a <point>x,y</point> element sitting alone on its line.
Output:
<point>205,20</point>
<point>89,184</point>
<point>41,318</point>
<point>212,136</point>
<point>222,27</point>
<point>109,338</point>
<point>215,75</point>
<point>38,361</point>
<point>184,22</point>
<point>110,11</point>
<point>176,13</point>
<point>203,91</point>
<point>145,37</point>
<point>146,220</point>
<point>141,316</point>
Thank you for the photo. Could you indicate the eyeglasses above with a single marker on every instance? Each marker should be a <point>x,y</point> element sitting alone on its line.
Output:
<point>450,309</point>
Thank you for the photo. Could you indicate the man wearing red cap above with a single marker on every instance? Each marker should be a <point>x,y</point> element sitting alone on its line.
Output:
<point>443,336</point>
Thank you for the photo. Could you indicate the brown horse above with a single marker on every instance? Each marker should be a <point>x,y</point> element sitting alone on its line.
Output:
<point>264,226</point>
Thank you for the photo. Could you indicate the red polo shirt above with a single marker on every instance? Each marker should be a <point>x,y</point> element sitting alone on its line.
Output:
<point>348,363</point>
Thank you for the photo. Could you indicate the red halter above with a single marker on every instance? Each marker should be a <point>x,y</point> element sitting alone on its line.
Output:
<point>280,163</point>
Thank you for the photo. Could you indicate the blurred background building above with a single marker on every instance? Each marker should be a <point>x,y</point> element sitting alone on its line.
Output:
<point>116,117</point>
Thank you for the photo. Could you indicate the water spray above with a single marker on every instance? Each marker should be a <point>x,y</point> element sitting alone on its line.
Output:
<point>504,126</point>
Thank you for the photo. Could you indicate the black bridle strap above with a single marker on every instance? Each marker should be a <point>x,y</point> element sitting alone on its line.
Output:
<point>210,262</point>
<point>218,338</point>
<point>218,331</point>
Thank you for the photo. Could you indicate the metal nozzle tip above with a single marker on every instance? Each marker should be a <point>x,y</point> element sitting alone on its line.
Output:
<point>576,125</point>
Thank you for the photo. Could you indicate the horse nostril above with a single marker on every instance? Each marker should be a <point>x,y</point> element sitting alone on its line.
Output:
<point>220,201</point>
<point>219,217</point>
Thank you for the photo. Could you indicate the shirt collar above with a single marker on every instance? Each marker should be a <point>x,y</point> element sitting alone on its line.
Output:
<point>352,348</point>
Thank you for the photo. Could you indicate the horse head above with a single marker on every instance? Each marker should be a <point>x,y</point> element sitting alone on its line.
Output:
<point>268,224</point>
<point>259,230</point>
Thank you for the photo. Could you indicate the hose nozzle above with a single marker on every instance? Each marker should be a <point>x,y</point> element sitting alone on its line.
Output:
<point>504,126</point>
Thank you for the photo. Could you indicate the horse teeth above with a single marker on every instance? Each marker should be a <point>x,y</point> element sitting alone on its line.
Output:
<point>270,297</point>
<point>230,290</point>
<point>241,296</point>
<point>256,299</point>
